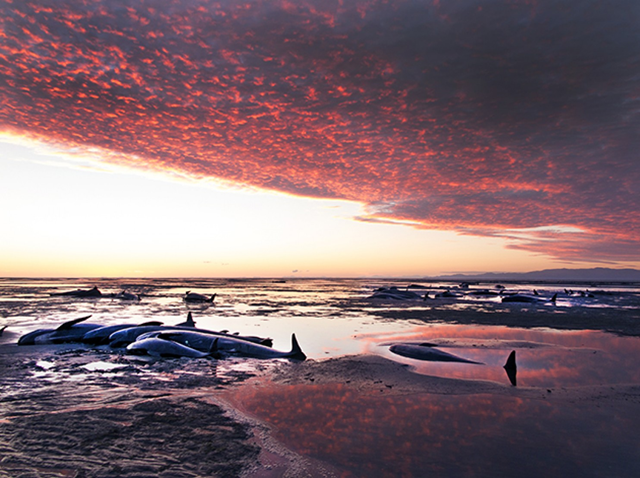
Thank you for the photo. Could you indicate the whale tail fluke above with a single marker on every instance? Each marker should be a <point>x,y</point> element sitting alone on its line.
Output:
<point>296,352</point>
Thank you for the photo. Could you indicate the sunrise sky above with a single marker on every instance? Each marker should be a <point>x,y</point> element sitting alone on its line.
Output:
<point>317,138</point>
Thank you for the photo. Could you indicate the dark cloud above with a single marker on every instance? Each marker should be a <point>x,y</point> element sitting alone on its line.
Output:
<point>477,116</point>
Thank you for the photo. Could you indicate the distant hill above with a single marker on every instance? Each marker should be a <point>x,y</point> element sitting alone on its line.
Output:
<point>597,274</point>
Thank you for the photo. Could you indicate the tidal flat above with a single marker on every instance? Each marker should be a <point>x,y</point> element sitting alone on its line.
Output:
<point>351,409</point>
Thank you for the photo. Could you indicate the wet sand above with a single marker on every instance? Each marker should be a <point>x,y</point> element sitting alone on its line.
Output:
<point>73,411</point>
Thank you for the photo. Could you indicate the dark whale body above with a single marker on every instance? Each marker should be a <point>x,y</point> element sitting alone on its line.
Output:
<point>198,298</point>
<point>528,298</point>
<point>393,293</point>
<point>93,292</point>
<point>101,334</point>
<point>71,331</point>
<point>157,347</point>
<point>426,352</point>
<point>122,338</point>
<point>230,344</point>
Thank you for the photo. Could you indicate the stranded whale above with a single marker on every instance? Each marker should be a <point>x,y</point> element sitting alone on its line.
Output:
<point>528,298</point>
<point>231,344</point>
<point>426,352</point>
<point>93,292</point>
<point>393,293</point>
<point>125,295</point>
<point>71,331</point>
<point>157,347</point>
<point>122,338</point>
<point>101,334</point>
<point>195,297</point>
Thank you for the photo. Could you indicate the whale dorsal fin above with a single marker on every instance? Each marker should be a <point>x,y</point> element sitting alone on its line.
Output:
<point>189,322</point>
<point>511,368</point>
<point>71,323</point>
<point>511,361</point>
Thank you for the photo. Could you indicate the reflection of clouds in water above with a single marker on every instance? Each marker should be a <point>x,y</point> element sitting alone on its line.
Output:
<point>545,358</point>
<point>421,434</point>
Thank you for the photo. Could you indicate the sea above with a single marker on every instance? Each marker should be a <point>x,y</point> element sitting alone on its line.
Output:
<point>586,338</point>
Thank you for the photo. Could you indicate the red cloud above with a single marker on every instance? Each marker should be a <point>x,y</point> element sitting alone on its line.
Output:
<point>441,115</point>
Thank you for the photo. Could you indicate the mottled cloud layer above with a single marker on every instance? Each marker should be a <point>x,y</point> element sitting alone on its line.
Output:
<point>499,118</point>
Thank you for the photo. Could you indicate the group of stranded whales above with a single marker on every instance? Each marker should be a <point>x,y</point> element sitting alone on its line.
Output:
<point>95,293</point>
<point>184,339</point>
<point>158,340</point>
<point>394,293</point>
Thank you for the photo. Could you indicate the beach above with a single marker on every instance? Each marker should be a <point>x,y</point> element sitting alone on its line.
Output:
<point>350,409</point>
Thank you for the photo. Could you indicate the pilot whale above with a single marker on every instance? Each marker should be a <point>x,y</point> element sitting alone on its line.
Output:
<point>121,338</point>
<point>157,347</point>
<point>71,331</point>
<point>93,292</point>
<point>126,295</point>
<point>427,352</point>
<point>195,297</point>
<point>101,334</point>
<point>232,345</point>
<point>393,293</point>
<point>528,298</point>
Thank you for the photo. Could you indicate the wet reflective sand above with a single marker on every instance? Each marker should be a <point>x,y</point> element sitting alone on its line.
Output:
<point>429,434</point>
<point>353,409</point>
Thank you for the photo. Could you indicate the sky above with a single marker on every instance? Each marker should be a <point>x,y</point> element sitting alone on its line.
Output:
<point>318,138</point>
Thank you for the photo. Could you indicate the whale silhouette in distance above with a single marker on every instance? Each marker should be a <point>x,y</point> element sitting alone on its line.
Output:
<point>528,298</point>
<point>71,331</point>
<point>158,347</point>
<point>393,293</point>
<point>93,292</point>
<point>125,295</point>
<point>428,353</point>
<point>234,345</point>
<point>195,297</point>
<point>511,368</point>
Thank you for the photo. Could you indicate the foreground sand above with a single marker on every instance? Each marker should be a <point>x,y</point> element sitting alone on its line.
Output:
<point>77,412</point>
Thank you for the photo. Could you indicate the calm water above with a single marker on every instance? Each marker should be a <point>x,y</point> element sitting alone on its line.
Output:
<point>364,435</point>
